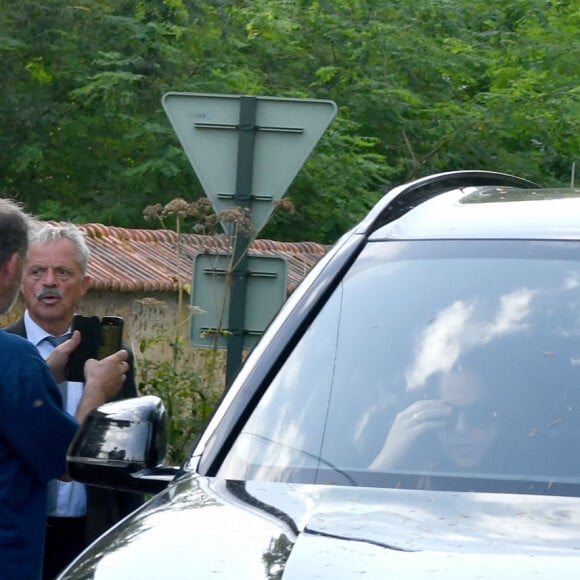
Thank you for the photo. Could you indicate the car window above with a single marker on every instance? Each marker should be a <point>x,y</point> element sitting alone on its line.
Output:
<point>432,362</point>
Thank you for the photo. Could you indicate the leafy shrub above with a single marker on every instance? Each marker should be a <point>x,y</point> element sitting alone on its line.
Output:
<point>189,383</point>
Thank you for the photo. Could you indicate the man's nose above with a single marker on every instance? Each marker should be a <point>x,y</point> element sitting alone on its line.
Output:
<point>49,278</point>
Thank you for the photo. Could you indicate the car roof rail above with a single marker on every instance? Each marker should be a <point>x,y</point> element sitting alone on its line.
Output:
<point>403,198</point>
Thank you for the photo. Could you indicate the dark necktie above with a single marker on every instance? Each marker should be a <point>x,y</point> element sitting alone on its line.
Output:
<point>56,340</point>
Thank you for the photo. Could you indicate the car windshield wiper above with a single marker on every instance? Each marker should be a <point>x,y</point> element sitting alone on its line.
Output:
<point>470,482</point>
<point>319,461</point>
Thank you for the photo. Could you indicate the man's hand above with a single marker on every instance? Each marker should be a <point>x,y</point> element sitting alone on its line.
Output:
<point>422,417</point>
<point>103,380</point>
<point>58,360</point>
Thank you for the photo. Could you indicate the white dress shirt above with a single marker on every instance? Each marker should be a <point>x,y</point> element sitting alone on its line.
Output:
<point>71,499</point>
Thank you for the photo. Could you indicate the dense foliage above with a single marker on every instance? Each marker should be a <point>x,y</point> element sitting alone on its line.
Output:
<point>422,86</point>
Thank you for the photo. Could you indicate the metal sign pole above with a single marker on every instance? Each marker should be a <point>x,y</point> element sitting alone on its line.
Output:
<point>243,193</point>
<point>270,138</point>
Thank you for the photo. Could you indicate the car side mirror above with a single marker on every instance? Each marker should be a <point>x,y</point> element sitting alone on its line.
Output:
<point>122,445</point>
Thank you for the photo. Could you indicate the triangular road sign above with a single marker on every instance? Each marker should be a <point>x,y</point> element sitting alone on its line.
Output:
<point>285,133</point>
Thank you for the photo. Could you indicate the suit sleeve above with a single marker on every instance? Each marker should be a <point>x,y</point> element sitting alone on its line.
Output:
<point>31,417</point>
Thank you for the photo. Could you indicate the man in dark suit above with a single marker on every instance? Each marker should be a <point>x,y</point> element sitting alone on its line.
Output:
<point>54,281</point>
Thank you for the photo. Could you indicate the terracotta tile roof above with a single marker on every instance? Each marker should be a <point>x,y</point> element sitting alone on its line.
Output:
<point>129,260</point>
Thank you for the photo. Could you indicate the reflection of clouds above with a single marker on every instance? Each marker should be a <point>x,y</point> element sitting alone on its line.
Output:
<point>280,455</point>
<point>118,438</point>
<point>439,344</point>
<point>572,281</point>
<point>196,536</point>
<point>276,433</point>
<point>513,310</point>
<point>115,439</point>
<point>455,329</point>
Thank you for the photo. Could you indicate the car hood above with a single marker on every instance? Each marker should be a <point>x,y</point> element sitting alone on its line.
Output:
<point>203,527</point>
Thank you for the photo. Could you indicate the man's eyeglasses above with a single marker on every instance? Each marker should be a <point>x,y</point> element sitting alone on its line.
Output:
<point>475,415</point>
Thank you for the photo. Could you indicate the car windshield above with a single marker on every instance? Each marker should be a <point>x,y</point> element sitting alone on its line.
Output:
<point>442,364</point>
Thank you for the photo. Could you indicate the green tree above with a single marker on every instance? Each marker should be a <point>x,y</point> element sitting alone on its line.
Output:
<point>421,86</point>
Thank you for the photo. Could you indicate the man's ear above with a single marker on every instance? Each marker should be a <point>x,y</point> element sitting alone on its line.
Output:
<point>10,270</point>
<point>86,283</point>
<point>12,266</point>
